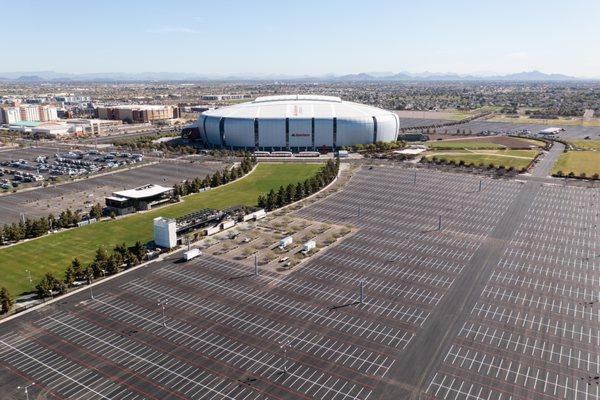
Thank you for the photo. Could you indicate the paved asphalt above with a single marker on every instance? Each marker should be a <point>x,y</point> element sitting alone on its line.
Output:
<point>500,303</point>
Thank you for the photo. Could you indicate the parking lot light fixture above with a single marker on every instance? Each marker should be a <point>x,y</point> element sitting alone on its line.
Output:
<point>439,223</point>
<point>162,304</point>
<point>25,389</point>
<point>361,285</point>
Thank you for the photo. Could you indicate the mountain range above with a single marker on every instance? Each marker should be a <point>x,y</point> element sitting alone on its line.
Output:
<point>51,76</point>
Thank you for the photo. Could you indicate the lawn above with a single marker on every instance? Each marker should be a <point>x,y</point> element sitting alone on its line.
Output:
<point>462,144</point>
<point>578,162</point>
<point>53,253</point>
<point>508,158</point>
<point>586,144</point>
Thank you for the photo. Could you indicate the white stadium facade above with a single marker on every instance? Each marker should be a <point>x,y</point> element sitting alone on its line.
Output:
<point>296,122</point>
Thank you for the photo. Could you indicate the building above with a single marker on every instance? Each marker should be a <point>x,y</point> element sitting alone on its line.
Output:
<point>550,131</point>
<point>297,122</point>
<point>30,112</point>
<point>138,199</point>
<point>221,97</point>
<point>138,113</point>
<point>56,130</point>
<point>48,113</point>
<point>10,115</point>
<point>95,126</point>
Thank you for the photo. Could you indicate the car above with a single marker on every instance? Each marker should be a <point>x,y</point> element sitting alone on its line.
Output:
<point>284,259</point>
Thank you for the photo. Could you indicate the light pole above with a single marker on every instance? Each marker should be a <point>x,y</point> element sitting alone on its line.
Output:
<point>284,346</point>
<point>361,284</point>
<point>255,265</point>
<point>30,280</point>
<point>163,303</point>
<point>25,389</point>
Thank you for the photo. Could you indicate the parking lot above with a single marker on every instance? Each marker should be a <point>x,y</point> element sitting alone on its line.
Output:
<point>82,194</point>
<point>476,127</point>
<point>533,332</point>
<point>470,290</point>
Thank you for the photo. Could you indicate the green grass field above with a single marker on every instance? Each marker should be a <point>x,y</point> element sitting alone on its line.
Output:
<point>463,144</point>
<point>508,158</point>
<point>586,144</point>
<point>53,253</point>
<point>578,162</point>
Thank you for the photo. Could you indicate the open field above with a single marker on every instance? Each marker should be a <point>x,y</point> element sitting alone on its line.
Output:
<point>586,144</point>
<point>52,253</point>
<point>499,303</point>
<point>463,144</point>
<point>508,158</point>
<point>587,162</point>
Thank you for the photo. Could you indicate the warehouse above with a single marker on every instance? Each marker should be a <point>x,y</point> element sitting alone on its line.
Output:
<point>296,122</point>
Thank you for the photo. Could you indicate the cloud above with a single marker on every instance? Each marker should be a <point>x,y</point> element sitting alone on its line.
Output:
<point>174,29</point>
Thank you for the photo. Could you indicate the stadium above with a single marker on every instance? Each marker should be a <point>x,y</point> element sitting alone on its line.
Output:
<point>296,122</point>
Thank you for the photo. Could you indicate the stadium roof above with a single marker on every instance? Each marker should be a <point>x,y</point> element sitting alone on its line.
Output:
<point>142,192</point>
<point>297,106</point>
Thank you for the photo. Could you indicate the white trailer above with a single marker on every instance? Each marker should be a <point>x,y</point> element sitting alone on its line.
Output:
<point>308,246</point>
<point>260,214</point>
<point>191,253</point>
<point>227,224</point>
<point>286,241</point>
<point>212,230</point>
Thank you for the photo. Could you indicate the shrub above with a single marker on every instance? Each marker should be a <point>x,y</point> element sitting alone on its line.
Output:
<point>559,173</point>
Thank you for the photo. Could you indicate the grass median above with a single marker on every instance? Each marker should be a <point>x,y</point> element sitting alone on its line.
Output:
<point>52,253</point>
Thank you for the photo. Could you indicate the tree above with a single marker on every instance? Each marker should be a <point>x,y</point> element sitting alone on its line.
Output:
<point>96,211</point>
<point>138,250</point>
<point>290,193</point>
<point>47,285</point>
<point>100,262</point>
<point>6,301</point>
<point>216,179</point>
<point>280,201</point>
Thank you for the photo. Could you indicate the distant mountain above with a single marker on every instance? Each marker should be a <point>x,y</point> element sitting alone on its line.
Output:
<point>51,76</point>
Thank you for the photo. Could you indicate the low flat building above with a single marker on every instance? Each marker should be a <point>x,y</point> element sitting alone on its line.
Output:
<point>551,131</point>
<point>138,199</point>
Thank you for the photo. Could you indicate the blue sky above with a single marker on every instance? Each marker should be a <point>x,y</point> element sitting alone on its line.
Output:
<point>302,37</point>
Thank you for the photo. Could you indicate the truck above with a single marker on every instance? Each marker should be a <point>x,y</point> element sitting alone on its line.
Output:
<point>191,253</point>
<point>308,246</point>
<point>286,241</point>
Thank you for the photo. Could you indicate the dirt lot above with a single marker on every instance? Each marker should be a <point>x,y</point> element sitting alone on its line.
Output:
<point>261,240</point>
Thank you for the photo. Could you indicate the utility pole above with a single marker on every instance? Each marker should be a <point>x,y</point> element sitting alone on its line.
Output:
<point>440,223</point>
<point>256,265</point>
<point>480,184</point>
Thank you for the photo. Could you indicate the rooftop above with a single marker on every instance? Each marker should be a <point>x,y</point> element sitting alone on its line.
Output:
<point>142,192</point>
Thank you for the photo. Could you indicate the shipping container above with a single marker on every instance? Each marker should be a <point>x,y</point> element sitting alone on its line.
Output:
<point>191,253</point>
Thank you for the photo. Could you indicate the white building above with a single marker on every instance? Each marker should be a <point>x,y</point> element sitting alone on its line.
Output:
<point>297,122</point>
<point>165,232</point>
<point>10,115</point>
<point>30,112</point>
<point>48,113</point>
